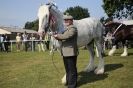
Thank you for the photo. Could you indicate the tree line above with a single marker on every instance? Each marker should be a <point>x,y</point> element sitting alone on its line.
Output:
<point>114,9</point>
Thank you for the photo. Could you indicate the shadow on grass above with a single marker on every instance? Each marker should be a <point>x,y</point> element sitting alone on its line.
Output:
<point>88,77</point>
<point>130,54</point>
<point>111,67</point>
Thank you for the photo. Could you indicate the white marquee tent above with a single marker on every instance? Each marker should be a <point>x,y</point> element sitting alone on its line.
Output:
<point>10,30</point>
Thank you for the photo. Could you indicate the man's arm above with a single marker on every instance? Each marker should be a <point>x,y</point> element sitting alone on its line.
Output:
<point>67,34</point>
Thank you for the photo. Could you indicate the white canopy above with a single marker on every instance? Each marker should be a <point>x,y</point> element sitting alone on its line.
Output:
<point>4,31</point>
<point>128,22</point>
<point>9,30</point>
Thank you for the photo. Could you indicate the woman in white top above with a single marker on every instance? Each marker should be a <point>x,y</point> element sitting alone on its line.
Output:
<point>18,41</point>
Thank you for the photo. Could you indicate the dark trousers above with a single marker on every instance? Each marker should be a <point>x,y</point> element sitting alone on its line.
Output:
<point>6,46</point>
<point>26,45</point>
<point>71,71</point>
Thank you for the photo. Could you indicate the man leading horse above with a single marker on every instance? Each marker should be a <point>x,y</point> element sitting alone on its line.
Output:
<point>69,50</point>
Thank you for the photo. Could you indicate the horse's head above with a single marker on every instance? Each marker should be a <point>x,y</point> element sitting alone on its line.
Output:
<point>49,18</point>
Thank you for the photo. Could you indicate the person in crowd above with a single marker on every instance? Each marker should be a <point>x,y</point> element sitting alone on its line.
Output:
<point>69,50</point>
<point>0,43</point>
<point>2,39</point>
<point>40,38</point>
<point>18,41</point>
<point>25,41</point>
<point>33,38</point>
<point>7,42</point>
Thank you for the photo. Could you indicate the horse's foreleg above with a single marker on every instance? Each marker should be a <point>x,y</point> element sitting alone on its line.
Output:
<point>51,49</point>
<point>112,51</point>
<point>39,47</point>
<point>90,66</point>
<point>97,54</point>
<point>100,68</point>
<point>42,47</point>
<point>125,53</point>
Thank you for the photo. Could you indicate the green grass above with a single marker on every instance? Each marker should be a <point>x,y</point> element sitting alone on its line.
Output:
<point>36,70</point>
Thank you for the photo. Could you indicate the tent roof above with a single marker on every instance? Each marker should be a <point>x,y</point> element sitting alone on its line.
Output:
<point>128,22</point>
<point>16,30</point>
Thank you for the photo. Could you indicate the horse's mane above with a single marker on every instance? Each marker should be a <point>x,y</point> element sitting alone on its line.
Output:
<point>112,23</point>
<point>54,11</point>
<point>42,9</point>
<point>59,17</point>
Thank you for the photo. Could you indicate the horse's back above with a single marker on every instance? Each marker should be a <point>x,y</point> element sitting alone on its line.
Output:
<point>88,24</point>
<point>88,29</point>
<point>86,21</point>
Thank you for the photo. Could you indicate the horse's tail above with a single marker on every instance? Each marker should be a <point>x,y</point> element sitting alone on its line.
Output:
<point>101,29</point>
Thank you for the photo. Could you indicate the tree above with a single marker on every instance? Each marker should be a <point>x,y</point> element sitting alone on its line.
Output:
<point>78,12</point>
<point>32,25</point>
<point>118,8</point>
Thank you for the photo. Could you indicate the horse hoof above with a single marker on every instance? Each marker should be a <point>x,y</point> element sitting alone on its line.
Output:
<point>50,53</point>
<point>123,55</point>
<point>99,71</point>
<point>64,80</point>
<point>89,68</point>
<point>110,53</point>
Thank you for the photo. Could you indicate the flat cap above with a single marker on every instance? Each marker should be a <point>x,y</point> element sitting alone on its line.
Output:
<point>67,16</point>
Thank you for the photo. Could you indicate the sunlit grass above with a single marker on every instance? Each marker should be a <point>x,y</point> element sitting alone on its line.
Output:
<point>36,70</point>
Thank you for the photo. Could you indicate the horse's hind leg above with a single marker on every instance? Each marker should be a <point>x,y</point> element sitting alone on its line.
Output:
<point>100,68</point>
<point>112,51</point>
<point>90,66</point>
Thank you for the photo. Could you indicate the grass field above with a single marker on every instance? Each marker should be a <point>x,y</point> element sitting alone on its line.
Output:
<point>36,70</point>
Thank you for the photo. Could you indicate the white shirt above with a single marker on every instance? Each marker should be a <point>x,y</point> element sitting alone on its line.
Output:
<point>18,38</point>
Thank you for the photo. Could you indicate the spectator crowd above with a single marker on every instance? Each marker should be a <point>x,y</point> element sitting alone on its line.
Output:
<point>25,42</point>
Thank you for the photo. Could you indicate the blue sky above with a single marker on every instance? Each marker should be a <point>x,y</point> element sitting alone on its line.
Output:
<point>18,12</point>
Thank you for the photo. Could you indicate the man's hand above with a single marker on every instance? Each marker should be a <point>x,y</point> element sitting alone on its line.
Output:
<point>41,34</point>
<point>55,36</point>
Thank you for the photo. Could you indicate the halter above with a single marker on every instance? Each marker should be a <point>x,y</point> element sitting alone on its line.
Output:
<point>117,29</point>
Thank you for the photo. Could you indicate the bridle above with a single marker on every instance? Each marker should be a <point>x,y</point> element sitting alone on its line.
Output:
<point>116,29</point>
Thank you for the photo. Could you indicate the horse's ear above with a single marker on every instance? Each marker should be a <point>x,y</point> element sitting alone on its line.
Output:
<point>105,24</point>
<point>49,5</point>
<point>52,4</point>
